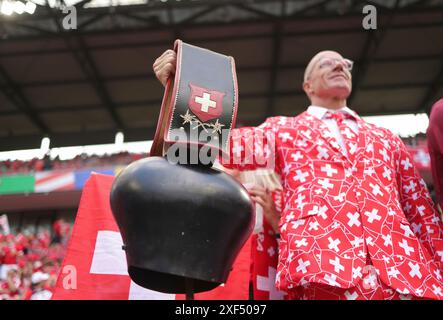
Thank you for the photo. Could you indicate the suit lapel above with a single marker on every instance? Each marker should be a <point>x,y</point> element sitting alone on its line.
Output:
<point>365,138</point>
<point>321,131</point>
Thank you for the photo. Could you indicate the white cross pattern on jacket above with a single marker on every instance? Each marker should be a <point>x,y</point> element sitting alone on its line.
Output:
<point>350,296</point>
<point>372,215</point>
<point>237,149</point>
<point>348,133</point>
<point>331,280</point>
<point>296,156</point>
<point>333,244</point>
<point>388,240</point>
<point>353,219</point>
<point>406,164</point>
<point>329,171</point>
<point>337,266</point>
<point>285,136</point>
<point>301,176</point>
<point>206,102</point>
<point>393,272</point>
<point>109,258</point>
<point>376,189</point>
<point>302,265</point>
<point>268,284</point>
<point>325,183</point>
<point>415,270</point>
<point>322,153</point>
<point>356,272</point>
<point>404,244</point>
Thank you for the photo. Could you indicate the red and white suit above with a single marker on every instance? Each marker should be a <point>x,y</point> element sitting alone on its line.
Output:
<point>343,212</point>
<point>264,257</point>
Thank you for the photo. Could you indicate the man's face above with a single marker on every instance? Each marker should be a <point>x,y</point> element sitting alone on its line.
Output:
<point>329,76</point>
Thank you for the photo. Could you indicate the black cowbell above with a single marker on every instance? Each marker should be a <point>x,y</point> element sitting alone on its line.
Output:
<point>180,222</point>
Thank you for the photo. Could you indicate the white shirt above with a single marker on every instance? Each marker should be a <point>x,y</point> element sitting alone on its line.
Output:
<point>319,112</point>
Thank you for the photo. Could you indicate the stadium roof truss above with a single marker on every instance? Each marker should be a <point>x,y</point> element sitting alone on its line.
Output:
<point>82,86</point>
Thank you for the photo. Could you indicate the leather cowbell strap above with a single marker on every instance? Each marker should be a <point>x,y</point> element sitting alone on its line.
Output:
<point>200,102</point>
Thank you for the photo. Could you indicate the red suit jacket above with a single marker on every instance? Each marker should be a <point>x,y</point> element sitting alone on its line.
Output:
<point>264,254</point>
<point>435,146</point>
<point>338,211</point>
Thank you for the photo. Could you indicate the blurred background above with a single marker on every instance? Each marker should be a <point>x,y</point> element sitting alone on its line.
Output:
<point>86,99</point>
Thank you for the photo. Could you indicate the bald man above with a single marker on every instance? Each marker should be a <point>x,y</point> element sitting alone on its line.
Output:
<point>357,220</point>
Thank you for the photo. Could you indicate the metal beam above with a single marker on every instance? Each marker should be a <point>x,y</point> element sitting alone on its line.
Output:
<point>243,96</point>
<point>92,20</point>
<point>87,64</point>
<point>437,84</point>
<point>15,94</point>
<point>258,12</point>
<point>147,21</point>
<point>300,16</point>
<point>310,7</point>
<point>240,69</point>
<point>153,7</point>
<point>96,80</point>
<point>176,34</point>
<point>81,4</point>
<point>373,41</point>
<point>275,58</point>
<point>197,15</point>
<point>191,25</point>
<point>36,29</point>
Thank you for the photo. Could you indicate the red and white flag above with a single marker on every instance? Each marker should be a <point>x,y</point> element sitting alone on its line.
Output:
<point>95,266</point>
<point>4,224</point>
<point>48,181</point>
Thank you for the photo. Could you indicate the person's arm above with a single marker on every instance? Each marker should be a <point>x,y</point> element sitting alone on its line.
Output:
<point>435,146</point>
<point>271,209</point>
<point>250,148</point>
<point>417,204</point>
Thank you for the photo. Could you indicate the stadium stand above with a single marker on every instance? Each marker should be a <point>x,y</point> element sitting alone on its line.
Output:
<point>30,263</point>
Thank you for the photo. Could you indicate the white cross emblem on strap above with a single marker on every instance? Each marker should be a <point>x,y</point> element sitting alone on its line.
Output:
<point>206,102</point>
<point>109,258</point>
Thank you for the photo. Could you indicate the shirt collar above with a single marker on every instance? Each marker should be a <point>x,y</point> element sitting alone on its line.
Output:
<point>319,112</point>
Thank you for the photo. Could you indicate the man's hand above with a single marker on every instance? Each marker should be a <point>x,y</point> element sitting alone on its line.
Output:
<point>264,198</point>
<point>164,66</point>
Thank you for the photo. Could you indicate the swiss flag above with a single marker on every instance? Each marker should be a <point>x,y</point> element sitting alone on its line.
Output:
<point>206,104</point>
<point>95,266</point>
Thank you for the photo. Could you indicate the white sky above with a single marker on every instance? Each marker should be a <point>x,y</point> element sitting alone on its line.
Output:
<point>403,125</point>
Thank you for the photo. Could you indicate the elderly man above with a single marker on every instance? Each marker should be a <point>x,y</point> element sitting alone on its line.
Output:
<point>358,221</point>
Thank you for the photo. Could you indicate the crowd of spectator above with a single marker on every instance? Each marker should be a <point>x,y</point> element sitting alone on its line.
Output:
<point>123,158</point>
<point>79,162</point>
<point>30,263</point>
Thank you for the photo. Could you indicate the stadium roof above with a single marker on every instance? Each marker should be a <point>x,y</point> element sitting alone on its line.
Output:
<point>82,86</point>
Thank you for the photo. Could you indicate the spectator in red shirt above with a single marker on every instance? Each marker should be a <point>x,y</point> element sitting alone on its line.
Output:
<point>435,146</point>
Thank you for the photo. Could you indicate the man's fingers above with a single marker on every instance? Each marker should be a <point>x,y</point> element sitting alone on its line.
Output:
<point>258,192</point>
<point>161,62</point>
<point>259,201</point>
<point>168,54</point>
<point>164,66</point>
<point>163,73</point>
<point>164,58</point>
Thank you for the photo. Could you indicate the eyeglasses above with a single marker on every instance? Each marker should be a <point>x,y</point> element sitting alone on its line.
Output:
<point>331,63</point>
